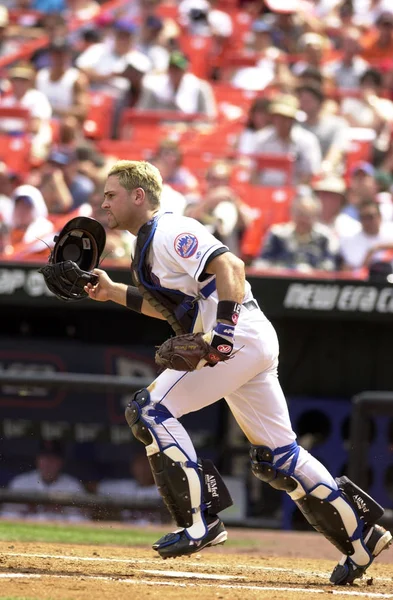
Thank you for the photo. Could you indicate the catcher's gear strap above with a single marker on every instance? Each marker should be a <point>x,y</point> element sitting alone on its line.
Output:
<point>262,467</point>
<point>179,309</point>
<point>215,493</point>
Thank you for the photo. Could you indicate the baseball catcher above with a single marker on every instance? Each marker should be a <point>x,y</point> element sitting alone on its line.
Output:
<point>76,253</point>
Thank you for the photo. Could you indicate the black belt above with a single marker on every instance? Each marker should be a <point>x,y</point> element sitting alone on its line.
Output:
<point>251,305</point>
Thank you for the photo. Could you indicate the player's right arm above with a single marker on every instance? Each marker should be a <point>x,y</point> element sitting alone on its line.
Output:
<point>123,294</point>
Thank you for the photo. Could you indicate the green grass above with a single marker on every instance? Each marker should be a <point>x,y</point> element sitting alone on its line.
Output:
<point>95,536</point>
<point>74,534</point>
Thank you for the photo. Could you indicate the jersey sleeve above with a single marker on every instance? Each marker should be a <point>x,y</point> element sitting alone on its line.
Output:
<point>192,247</point>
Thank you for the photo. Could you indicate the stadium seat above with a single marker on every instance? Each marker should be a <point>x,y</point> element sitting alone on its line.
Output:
<point>99,120</point>
<point>272,205</point>
<point>15,152</point>
<point>125,149</point>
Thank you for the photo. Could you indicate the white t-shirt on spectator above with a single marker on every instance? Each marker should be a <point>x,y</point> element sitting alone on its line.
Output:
<point>355,248</point>
<point>39,108</point>
<point>33,482</point>
<point>104,61</point>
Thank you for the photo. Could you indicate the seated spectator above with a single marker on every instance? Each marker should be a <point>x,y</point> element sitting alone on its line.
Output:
<point>258,118</point>
<point>347,70</point>
<point>370,244</point>
<point>312,47</point>
<point>6,247</point>
<point>149,43</point>
<point>289,24</point>
<point>47,477</point>
<point>55,26</point>
<point>135,69</point>
<point>62,186</point>
<point>270,65</point>
<point>103,62</point>
<point>362,187</point>
<point>177,90</point>
<point>24,95</point>
<point>285,137</point>
<point>139,485</point>
<point>7,46</point>
<point>223,214</point>
<point>378,43</point>
<point>82,10</point>
<point>303,244</point>
<point>169,156</point>
<point>331,192</point>
<point>370,109</point>
<point>331,131</point>
<point>6,190</point>
<point>64,85</point>
<point>29,217</point>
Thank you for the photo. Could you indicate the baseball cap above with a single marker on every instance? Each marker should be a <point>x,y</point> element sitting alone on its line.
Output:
<point>51,448</point>
<point>179,60</point>
<point>125,26</point>
<point>154,22</point>
<point>364,167</point>
<point>385,17</point>
<point>283,6</point>
<point>61,158</point>
<point>262,25</point>
<point>4,18</point>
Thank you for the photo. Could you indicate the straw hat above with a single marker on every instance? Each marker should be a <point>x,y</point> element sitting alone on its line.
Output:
<point>285,105</point>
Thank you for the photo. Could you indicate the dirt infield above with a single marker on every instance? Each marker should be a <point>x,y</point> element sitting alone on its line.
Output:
<point>282,566</point>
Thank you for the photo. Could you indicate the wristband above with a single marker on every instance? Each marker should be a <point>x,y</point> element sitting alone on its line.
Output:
<point>227,310</point>
<point>134,299</point>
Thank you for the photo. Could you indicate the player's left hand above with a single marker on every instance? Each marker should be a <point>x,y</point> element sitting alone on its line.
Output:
<point>222,339</point>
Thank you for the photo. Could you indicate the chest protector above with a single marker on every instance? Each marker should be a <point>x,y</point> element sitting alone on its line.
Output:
<point>179,309</point>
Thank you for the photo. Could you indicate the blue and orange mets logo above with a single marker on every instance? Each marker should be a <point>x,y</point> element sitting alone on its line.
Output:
<point>186,245</point>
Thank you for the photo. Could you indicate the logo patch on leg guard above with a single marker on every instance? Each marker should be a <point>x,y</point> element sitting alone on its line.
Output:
<point>360,503</point>
<point>211,485</point>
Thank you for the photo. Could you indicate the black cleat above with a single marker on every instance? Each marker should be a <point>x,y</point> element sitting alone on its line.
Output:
<point>376,540</point>
<point>178,543</point>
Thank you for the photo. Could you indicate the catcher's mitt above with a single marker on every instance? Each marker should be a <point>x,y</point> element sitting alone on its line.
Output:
<point>185,353</point>
<point>76,253</point>
<point>67,281</point>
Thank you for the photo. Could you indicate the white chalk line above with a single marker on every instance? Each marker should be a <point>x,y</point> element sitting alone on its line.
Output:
<point>223,586</point>
<point>144,561</point>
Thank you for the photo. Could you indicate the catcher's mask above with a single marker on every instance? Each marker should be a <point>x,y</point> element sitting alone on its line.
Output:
<point>76,253</point>
<point>81,240</point>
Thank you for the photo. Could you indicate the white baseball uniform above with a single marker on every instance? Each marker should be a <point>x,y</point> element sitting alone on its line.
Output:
<point>177,256</point>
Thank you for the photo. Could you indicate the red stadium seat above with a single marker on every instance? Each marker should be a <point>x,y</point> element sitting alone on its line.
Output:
<point>273,206</point>
<point>99,120</point>
<point>124,150</point>
<point>15,152</point>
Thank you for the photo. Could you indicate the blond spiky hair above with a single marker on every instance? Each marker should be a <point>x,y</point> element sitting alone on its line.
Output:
<point>138,173</point>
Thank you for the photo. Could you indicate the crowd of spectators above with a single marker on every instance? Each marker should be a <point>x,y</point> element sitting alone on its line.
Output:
<point>237,99</point>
